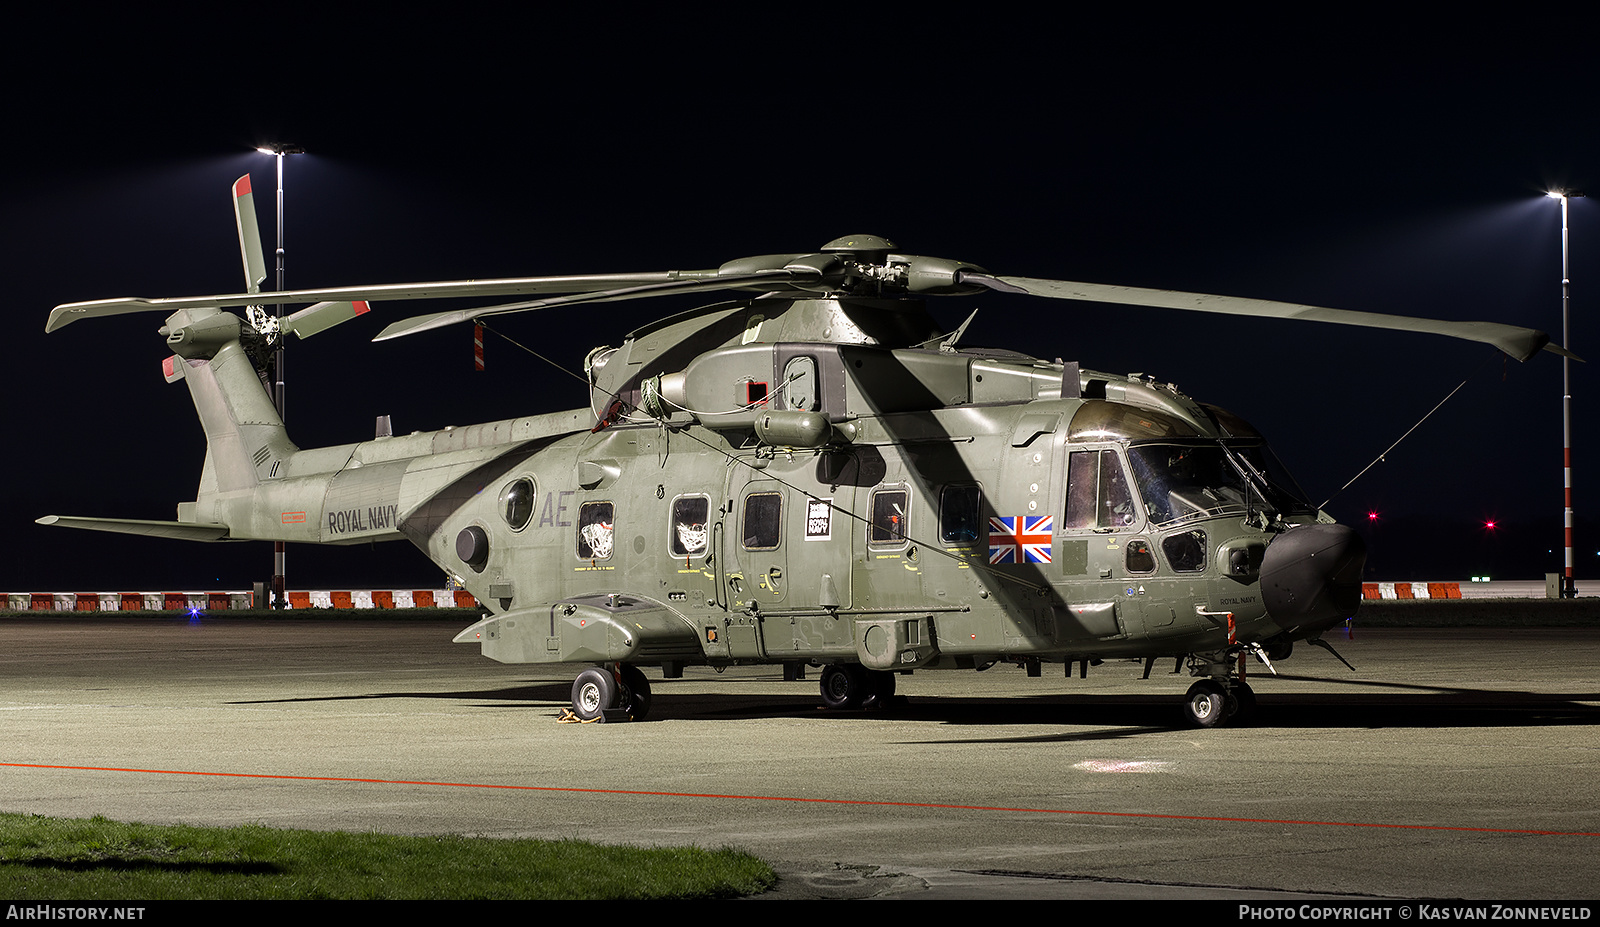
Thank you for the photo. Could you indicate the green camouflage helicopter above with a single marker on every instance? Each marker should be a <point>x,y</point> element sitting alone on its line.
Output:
<point>811,474</point>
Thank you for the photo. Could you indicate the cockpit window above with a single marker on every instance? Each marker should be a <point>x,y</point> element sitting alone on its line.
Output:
<point>1186,550</point>
<point>1195,479</point>
<point>1260,459</point>
<point>1140,558</point>
<point>1097,492</point>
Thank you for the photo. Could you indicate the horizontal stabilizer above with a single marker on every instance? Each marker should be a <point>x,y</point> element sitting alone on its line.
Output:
<point>183,530</point>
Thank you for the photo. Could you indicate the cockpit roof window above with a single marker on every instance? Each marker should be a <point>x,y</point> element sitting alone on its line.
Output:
<point>1232,425</point>
<point>1101,420</point>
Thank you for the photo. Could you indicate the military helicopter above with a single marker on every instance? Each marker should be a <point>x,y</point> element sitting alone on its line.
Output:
<point>811,474</point>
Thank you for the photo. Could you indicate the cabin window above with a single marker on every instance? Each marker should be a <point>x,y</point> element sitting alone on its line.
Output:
<point>690,525</point>
<point>888,526</point>
<point>1097,492</point>
<point>800,384</point>
<point>959,508</point>
<point>516,503</point>
<point>596,526</point>
<point>763,520</point>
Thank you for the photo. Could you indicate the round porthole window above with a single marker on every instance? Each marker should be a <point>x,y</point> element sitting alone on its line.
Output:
<point>516,503</point>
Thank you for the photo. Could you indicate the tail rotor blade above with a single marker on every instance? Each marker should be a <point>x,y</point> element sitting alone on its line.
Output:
<point>244,214</point>
<point>322,316</point>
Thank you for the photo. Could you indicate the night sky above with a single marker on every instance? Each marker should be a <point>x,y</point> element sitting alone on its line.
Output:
<point>1392,170</point>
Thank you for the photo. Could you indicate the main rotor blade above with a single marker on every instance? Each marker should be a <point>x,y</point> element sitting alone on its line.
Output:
<point>1521,343</point>
<point>244,217</point>
<point>67,313</point>
<point>424,323</point>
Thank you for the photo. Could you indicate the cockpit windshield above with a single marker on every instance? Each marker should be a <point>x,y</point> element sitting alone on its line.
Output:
<point>1193,479</point>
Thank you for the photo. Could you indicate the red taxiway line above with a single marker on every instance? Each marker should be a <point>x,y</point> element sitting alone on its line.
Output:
<point>824,801</point>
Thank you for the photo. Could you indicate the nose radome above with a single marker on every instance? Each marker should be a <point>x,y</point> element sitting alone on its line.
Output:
<point>1311,577</point>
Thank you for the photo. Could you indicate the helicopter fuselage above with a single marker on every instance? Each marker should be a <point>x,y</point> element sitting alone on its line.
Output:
<point>826,481</point>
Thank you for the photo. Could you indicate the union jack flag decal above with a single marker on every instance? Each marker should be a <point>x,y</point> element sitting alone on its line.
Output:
<point>1020,539</point>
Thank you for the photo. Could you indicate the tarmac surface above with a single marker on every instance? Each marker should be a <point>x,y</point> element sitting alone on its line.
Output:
<point>1450,764</point>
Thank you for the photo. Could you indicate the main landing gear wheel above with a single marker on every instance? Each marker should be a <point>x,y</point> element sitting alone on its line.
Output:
<point>1207,704</point>
<point>592,693</point>
<point>848,686</point>
<point>844,686</point>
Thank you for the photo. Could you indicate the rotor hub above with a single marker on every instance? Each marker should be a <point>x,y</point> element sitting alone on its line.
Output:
<point>864,245</point>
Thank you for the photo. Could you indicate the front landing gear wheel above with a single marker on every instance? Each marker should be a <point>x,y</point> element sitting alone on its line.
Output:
<point>592,693</point>
<point>635,694</point>
<point>1206,705</point>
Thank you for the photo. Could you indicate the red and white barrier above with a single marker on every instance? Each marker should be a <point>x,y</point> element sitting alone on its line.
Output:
<point>1493,589</point>
<point>234,601</point>
<point>1411,590</point>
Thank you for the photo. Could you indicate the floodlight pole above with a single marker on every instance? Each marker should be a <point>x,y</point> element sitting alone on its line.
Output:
<point>279,558</point>
<point>1569,588</point>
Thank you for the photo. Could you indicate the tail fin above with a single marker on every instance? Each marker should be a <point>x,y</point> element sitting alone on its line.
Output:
<point>245,438</point>
<point>215,353</point>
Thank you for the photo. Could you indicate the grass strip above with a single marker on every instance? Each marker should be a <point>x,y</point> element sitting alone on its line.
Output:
<point>45,858</point>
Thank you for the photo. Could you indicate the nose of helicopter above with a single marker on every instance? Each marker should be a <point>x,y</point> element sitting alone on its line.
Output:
<point>1311,577</point>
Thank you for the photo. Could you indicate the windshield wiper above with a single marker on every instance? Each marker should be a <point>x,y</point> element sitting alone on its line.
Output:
<point>1252,478</point>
